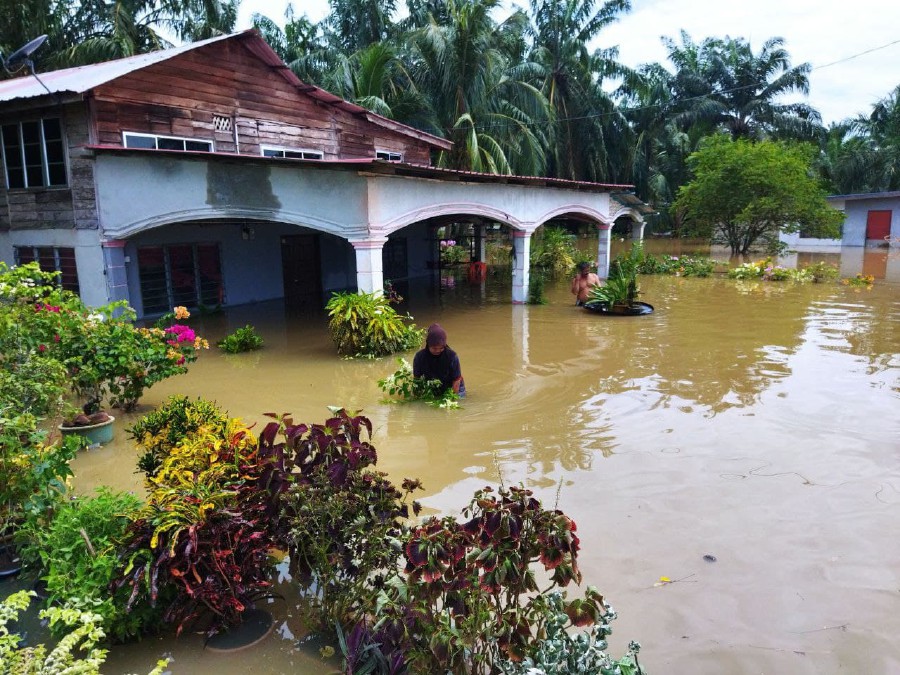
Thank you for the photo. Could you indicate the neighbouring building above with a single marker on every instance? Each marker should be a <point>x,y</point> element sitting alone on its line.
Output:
<point>209,174</point>
<point>872,220</point>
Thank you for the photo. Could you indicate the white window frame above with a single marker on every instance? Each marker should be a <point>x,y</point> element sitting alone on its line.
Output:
<point>45,162</point>
<point>388,155</point>
<point>156,137</point>
<point>290,153</point>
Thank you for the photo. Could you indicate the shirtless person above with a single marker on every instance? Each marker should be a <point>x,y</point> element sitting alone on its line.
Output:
<point>583,282</point>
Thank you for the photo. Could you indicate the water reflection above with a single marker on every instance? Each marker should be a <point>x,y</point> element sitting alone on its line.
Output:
<point>755,421</point>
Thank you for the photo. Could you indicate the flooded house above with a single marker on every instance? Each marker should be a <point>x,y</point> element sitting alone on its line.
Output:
<point>210,175</point>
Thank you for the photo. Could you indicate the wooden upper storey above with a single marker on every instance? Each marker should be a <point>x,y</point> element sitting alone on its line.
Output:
<point>232,91</point>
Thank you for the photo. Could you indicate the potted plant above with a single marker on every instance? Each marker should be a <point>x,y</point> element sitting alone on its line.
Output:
<point>618,296</point>
<point>111,359</point>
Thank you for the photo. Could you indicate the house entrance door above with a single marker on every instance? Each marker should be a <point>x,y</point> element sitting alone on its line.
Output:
<point>301,271</point>
<point>878,225</point>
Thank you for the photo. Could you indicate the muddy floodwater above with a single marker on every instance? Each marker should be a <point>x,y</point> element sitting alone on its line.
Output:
<point>754,423</point>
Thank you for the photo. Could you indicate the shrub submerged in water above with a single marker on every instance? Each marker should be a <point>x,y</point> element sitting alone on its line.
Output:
<point>365,325</point>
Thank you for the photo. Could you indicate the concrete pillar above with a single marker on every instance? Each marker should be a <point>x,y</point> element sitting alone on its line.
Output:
<point>520,272</point>
<point>114,268</point>
<point>369,265</point>
<point>603,237</point>
<point>479,243</point>
<point>637,230</point>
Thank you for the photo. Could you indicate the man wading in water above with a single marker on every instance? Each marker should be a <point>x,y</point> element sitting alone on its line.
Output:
<point>438,362</point>
<point>583,282</point>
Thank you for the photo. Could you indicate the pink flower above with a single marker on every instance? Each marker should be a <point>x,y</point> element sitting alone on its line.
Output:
<point>182,333</point>
<point>42,348</point>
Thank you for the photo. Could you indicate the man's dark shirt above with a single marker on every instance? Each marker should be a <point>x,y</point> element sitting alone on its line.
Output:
<point>444,367</point>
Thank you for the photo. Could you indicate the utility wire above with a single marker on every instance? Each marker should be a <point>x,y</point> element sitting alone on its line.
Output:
<point>685,100</point>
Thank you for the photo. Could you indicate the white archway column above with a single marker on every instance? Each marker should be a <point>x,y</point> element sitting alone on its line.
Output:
<point>520,272</point>
<point>603,236</point>
<point>637,230</point>
<point>369,265</point>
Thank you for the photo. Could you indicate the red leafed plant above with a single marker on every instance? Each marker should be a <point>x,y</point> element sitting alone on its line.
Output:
<point>469,597</point>
<point>341,521</point>
<point>201,544</point>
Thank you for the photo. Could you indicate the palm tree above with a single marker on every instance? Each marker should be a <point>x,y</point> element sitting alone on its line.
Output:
<point>207,18</point>
<point>882,126</point>
<point>481,96</point>
<point>377,79</point>
<point>301,45</point>
<point>724,84</point>
<point>353,25</point>
<point>586,121</point>
<point>659,147</point>
<point>102,31</point>
<point>849,161</point>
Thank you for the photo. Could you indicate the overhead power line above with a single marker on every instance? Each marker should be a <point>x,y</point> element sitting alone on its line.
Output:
<point>694,98</point>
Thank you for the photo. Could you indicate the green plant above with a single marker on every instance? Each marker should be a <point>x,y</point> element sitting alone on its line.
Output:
<point>78,554</point>
<point>767,270</point>
<point>680,266</point>
<point>105,355</point>
<point>621,287</point>
<point>468,598</point>
<point>33,473</point>
<point>498,252</point>
<point>822,271</point>
<point>536,289</point>
<point>860,281</point>
<point>408,388</point>
<point>32,383</point>
<point>559,652</point>
<point>341,519</point>
<point>365,325</point>
<point>76,652</point>
<point>159,431</point>
<point>452,253</point>
<point>242,340</point>
<point>554,251</point>
<point>200,547</point>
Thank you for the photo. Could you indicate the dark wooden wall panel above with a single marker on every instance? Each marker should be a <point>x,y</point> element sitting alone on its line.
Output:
<point>180,96</point>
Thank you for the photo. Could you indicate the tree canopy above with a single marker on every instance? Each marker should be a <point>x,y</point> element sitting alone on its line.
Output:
<point>535,91</point>
<point>743,191</point>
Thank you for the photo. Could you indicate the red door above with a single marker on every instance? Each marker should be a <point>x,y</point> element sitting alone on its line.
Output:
<point>878,225</point>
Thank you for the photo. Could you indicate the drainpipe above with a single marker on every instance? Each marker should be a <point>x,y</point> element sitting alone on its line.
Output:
<point>520,272</point>
<point>603,237</point>
<point>369,265</point>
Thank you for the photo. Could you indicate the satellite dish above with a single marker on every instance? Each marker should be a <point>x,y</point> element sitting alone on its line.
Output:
<point>21,56</point>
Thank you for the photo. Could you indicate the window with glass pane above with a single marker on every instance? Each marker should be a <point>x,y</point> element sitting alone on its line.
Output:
<point>34,154</point>
<point>135,141</point>
<point>52,259</point>
<point>153,279</point>
<point>182,274</point>
<point>211,291</point>
<point>55,152</point>
<point>198,146</point>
